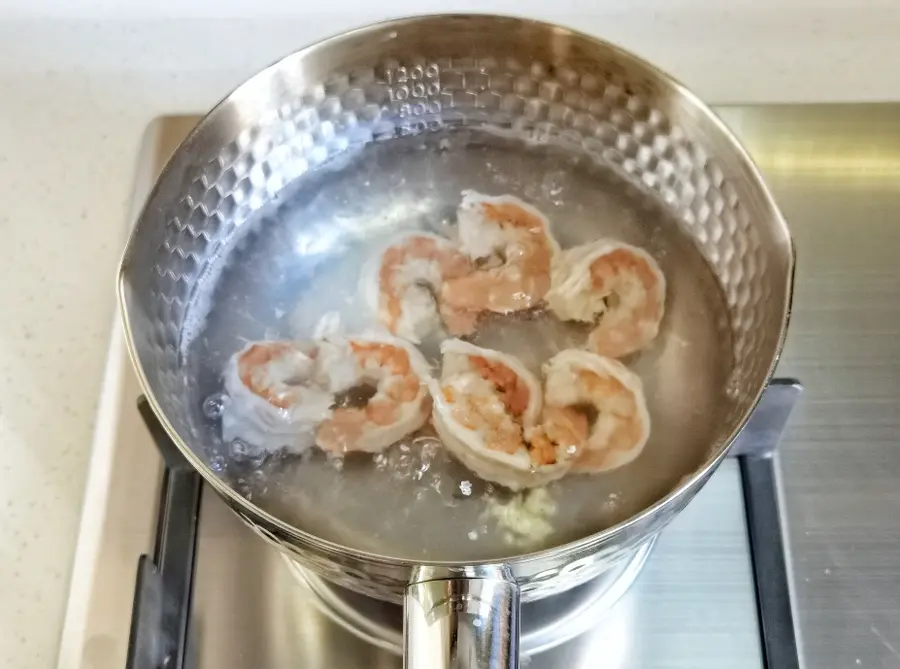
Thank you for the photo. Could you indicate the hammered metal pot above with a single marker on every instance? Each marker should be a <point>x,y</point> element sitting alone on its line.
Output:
<point>546,83</point>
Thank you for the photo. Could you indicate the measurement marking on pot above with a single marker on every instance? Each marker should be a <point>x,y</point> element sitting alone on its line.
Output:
<point>414,90</point>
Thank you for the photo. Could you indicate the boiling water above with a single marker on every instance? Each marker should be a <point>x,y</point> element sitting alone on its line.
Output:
<point>304,259</point>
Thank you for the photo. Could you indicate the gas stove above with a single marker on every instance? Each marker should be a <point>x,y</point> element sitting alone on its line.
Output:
<point>167,576</point>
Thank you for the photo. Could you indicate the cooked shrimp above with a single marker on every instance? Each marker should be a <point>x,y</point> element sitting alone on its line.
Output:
<point>618,284</point>
<point>276,397</point>
<point>512,247</point>
<point>561,427</point>
<point>575,379</point>
<point>409,278</point>
<point>486,410</point>
<point>398,374</point>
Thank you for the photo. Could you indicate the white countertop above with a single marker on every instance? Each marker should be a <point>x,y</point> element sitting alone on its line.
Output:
<point>76,92</point>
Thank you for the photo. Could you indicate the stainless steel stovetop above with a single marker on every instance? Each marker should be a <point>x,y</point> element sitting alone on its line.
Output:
<point>696,602</point>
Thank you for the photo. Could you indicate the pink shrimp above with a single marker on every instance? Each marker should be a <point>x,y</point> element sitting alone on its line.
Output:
<point>512,247</point>
<point>621,426</point>
<point>618,287</point>
<point>410,281</point>
<point>399,405</point>
<point>487,411</point>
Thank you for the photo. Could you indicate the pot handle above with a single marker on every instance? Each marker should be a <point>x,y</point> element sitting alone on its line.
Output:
<point>466,618</point>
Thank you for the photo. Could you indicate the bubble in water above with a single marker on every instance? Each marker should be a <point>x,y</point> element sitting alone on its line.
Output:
<point>380,460</point>
<point>260,481</point>
<point>336,461</point>
<point>612,502</point>
<point>473,535</point>
<point>240,449</point>
<point>217,463</point>
<point>571,450</point>
<point>446,497</point>
<point>427,447</point>
<point>246,453</point>
<point>214,405</point>
<point>552,185</point>
<point>419,472</point>
<point>465,487</point>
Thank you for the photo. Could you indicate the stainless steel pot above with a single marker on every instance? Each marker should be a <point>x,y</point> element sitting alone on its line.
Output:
<point>536,85</point>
